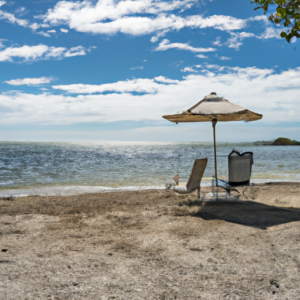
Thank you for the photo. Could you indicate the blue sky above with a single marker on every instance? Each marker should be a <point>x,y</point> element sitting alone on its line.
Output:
<point>108,70</point>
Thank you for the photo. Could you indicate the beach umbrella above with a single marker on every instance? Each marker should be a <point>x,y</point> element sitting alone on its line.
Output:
<point>213,108</point>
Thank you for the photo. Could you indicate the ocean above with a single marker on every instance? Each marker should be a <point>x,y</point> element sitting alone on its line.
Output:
<point>30,168</point>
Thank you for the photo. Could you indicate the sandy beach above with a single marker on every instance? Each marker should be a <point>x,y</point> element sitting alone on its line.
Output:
<point>151,245</point>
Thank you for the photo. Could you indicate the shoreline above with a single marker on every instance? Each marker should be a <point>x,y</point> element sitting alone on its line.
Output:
<point>71,190</point>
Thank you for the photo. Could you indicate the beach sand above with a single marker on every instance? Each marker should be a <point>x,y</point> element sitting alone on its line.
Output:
<point>143,245</point>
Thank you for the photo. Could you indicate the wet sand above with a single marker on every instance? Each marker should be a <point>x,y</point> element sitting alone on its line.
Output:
<point>144,245</point>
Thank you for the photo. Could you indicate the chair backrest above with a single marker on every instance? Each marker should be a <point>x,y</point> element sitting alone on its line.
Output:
<point>196,174</point>
<point>239,167</point>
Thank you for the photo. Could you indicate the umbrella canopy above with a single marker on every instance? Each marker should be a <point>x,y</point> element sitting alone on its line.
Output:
<point>213,108</point>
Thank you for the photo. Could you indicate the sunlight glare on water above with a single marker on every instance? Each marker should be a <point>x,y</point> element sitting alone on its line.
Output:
<point>121,165</point>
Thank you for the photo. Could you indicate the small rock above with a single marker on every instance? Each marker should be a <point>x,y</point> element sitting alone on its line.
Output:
<point>8,198</point>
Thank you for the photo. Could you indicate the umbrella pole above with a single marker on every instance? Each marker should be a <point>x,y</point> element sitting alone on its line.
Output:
<point>214,122</point>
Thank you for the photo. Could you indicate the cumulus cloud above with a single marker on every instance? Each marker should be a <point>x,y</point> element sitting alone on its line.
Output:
<point>201,56</point>
<point>32,53</point>
<point>21,10</point>
<point>260,90</point>
<point>214,66</point>
<point>11,18</point>
<point>43,33</point>
<point>189,69</point>
<point>165,80</point>
<point>75,51</point>
<point>35,26</point>
<point>29,81</point>
<point>236,37</point>
<point>235,41</point>
<point>64,30</point>
<point>165,45</point>
<point>1,43</point>
<point>133,17</point>
<point>137,68</point>
<point>270,33</point>
<point>135,85</point>
<point>217,42</point>
<point>225,58</point>
<point>158,35</point>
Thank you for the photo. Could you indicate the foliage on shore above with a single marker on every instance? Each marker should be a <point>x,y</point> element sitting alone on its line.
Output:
<point>286,141</point>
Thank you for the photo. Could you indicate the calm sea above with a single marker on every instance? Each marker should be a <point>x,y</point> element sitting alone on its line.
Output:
<point>69,168</point>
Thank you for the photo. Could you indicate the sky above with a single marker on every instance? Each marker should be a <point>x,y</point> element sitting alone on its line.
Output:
<point>103,70</point>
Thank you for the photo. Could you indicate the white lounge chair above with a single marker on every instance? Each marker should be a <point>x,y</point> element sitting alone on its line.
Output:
<point>194,180</point>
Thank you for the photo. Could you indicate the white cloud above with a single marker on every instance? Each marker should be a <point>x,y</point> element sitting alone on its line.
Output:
<point>29,81</point>
<point>166,80</point>
<point>137,68</point>
<point>24,52</point>
<point>189,69</point>
<point>43,33</point>
<point>35,26</point>
<point>236,38</point>
<point>51,31</point>
<point>55,52</point>
<point>213,66</point>
<point>133,17</point>
<point>235,41</point>
<point>32,53</point>
<point>21,22</point>
<point>260,18</point>
<point>225,58</point>
<point>201,56</point>
<point>154,39</point>
<point>270,33</point>
<point>217,42</point>
<point>165,45</point>
<point>134,85</point>
<point>276,96</point>
<point>11,18</point>
<point>20,10</point>
<point>75,51</point>
<point>1,43</point>
<point>64,30</point>
<point>158,35</point>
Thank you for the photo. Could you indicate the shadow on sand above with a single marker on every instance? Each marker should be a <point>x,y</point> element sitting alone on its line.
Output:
<point>248,213</point>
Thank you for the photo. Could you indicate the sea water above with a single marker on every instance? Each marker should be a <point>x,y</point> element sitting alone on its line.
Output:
<point>70,168</point>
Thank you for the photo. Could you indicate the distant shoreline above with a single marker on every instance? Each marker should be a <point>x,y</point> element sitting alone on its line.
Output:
<point>278,142</point>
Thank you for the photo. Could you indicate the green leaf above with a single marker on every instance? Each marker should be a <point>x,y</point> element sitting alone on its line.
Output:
<point>283,34</point>
<point>281,12</point>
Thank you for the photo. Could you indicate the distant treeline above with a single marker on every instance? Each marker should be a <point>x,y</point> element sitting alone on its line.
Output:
<point>278,142</point>
<point>285,141</point>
